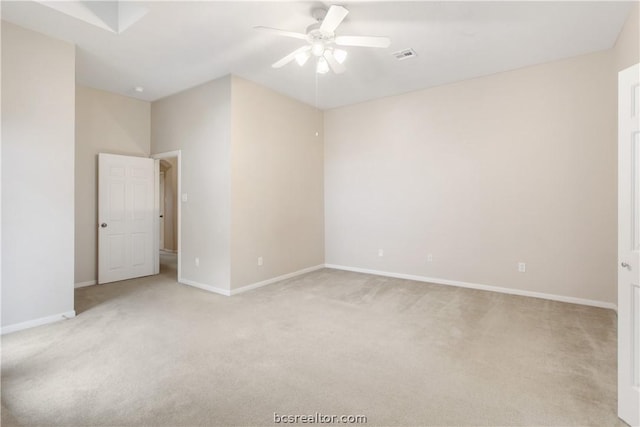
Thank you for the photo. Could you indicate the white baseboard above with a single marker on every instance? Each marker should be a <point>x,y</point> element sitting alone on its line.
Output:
<point>169,251</point>
<point>38,322</point>
<point>572,300</point>
<point>83,284</point>
<point>228,293</point>
<point>276,279</point>
<point>202,286</point>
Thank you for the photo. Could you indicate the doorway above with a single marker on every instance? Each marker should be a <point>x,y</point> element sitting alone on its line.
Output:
<point>169,189</point>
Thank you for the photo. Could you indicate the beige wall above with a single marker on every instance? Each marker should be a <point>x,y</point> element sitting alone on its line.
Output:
<point>277,184</point>
<point>38,102</point>
<point>105,123</point>
<point>627,48</point>
<point>482,174</point>
<point>197,122</point>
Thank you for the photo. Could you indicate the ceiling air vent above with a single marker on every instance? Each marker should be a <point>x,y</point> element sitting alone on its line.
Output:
<point>404,54</point>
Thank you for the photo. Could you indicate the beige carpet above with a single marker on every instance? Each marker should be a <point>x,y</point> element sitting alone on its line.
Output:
<point>152,352</point>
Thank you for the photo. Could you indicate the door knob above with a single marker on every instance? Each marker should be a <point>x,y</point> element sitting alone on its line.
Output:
<point>103,225</point>
<point>625,265</point>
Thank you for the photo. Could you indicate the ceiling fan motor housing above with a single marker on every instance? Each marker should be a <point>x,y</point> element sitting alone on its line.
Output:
<point>319,39</point>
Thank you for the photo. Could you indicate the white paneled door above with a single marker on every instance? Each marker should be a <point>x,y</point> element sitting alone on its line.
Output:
<point>127,217</point>
<point>629,245</point>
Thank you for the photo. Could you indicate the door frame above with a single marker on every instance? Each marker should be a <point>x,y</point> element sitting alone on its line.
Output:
<point>166,155</point>
<point>162,213</point>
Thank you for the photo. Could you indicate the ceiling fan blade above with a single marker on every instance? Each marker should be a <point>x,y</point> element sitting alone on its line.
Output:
<point>334,17</point>
<point>282,32</point>
<point>290,57</point>
<point>363,41</point>
<point>337,67</point>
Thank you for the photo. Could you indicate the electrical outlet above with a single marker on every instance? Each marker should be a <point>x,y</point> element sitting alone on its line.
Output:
<point>260,261</point>
<point>430,258</point>
<point>522,267</point>
<point>380,252</point>
<point>197,262</point>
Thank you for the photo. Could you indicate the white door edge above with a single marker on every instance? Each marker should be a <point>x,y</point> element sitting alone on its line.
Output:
<point>629,245</point>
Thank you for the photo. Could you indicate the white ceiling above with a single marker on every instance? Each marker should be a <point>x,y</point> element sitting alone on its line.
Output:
<point>178,45</point>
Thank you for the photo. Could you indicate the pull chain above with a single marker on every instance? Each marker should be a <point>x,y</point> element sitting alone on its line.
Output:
<point>316,78</point>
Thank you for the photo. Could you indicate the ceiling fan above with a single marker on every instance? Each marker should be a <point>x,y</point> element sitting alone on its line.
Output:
<point>322,41</point>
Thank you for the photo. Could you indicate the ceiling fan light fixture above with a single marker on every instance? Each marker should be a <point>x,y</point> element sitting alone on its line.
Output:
<point>317,48</point>
<point>302,58</point>
<point>322,67</point>
<point>340,55</point>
